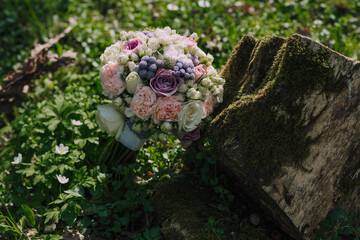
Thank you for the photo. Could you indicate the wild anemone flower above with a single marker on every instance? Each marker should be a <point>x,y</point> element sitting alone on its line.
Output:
<point>17,159</point>
<point>61,149</point>
<point>76,123</point>
<point>62,179</point>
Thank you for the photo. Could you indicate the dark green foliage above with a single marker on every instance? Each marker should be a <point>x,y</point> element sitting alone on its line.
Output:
<point>338,225</point>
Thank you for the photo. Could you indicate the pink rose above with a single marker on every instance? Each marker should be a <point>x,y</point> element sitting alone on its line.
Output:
<point>200,71</point>
<point>209,104</point>
<point>143,101</point>
<point>110,80</point>
<point>133,45</point>
<point>167,108</point>
<point>190,43</point>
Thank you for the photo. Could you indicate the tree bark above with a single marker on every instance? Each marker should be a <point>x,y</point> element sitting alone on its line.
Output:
<point>289,129</point>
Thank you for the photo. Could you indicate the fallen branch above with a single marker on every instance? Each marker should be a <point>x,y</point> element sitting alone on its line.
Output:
<point>37,64</point>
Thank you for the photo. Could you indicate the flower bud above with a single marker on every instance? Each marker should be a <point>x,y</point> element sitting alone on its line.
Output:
<point>129,113</point>
<point>137,127</point>
<point>210,58</point>
<point>194,36</point>
<point>141,52</point>
<point>206,82</point>
<point>132,81</point>
<point>163,137</point>
<point>155,136</point>
<point>123,35</point>
<point>134,57</point>
<point>118,102</point>
<point>182,88</point>
<point>131,66</point>
<point>217,80</point>
<point>166,127</point>
<point>123,58</point>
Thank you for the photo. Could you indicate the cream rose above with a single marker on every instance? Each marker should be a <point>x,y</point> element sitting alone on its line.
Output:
<point>132,81</point>
<point>109,119</point>
<point>191,115</point>
<point>153,43</point>
<point>143,101</point>
<point>110,80</point>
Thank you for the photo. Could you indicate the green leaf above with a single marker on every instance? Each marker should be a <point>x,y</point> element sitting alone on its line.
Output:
<point>53,237</point>
<point>69,215</point>
<point>80,142</point>
<point>29,214</point>
<point>200,155</point>
<point>51,169</point>
<point>74,192</point>
<point>52,214</point>
<point>27,171</point>
<point>48,112</point>
<point>52,124</point>
<point>39,178</point>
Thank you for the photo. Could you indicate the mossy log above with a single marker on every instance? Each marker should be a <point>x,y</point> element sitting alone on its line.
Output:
<point>289,129</point>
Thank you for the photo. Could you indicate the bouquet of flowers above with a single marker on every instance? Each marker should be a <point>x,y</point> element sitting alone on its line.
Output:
<point>160,83</point>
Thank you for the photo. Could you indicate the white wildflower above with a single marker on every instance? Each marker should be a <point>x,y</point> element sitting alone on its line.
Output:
<point>61,149</point>
<point>76,123</point>
<point>17,159</point>
<point>62,179</point>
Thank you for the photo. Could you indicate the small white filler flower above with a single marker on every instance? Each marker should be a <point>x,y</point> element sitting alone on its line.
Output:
<point>61,149</point>
<point>62,179</point>
<point>17,159</point>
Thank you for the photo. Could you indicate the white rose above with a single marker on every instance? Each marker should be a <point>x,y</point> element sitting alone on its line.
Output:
<point>132,81</point>
<point>173,51</point>
<point>191,115</point>
<point>153,43</point>
<point>111,53</point>
<point>109,119</point>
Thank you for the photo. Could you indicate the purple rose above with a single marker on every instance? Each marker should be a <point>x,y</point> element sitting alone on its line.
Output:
<point>186,138</point>
<point>132,45</point>
<point>165,83</point>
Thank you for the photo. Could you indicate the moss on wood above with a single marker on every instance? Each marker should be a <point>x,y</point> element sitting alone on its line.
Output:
<point>266,122</point>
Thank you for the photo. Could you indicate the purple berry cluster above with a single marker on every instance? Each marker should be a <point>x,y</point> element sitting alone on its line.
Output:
<point>148,67</point>
<point>184,70</point>
<point>194,59</point>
